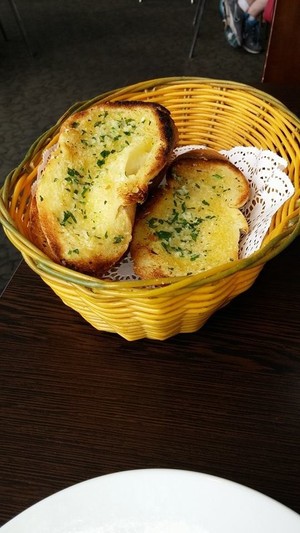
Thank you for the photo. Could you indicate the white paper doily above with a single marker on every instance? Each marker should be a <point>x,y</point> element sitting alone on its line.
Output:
<point>270,188</point>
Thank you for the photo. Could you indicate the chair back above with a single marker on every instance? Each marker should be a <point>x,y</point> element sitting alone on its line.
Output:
<point>283,52</point>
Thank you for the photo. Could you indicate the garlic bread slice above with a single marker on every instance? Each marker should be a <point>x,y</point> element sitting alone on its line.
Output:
<point>194,222</point>
<point>105,159</point>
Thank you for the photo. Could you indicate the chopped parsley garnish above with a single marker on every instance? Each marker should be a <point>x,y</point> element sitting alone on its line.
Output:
<point>164,235</point>
<point>75,251</point>
<point>85,142</point>
<point>72,172</point>
<point>86,188</point>
<point>72,176</point>
<point>68,218</point>
<point>179,231</point>
<point>106,153</point>
<point>118,239</point>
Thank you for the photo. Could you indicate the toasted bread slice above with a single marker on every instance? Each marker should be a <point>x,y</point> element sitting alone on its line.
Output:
<point>193,223</point>
<point>105,159</point>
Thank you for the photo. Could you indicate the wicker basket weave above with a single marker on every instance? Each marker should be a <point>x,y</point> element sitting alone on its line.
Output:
<point>218,114</point>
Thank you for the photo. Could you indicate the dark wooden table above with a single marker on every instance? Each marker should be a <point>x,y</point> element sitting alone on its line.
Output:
<point>78,403</point>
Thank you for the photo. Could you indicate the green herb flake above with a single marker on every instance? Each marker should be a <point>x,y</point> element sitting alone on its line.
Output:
<point>165,246</point>
<point>84,142</point>
<point>164,235</point>
<point>118,239</point>
<point>105,153</point>
<point>85,190</point>
<point>68,218</point>
<point>153,223</point>
<point>75,251</point>
<point>72,172</point>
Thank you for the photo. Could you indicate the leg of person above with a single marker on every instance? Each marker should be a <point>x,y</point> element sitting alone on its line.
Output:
<point>256,7</point>
<point>233,19</point>
<point>252,27</point>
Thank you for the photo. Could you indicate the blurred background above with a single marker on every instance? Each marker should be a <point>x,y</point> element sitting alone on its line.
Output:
<point>77,49</point>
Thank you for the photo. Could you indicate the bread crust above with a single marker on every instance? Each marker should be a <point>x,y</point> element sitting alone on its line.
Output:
<point>193,223</point>
<point>36,234</point>
<point>85,200</point>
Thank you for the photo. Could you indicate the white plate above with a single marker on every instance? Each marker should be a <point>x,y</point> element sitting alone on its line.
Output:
<point>156,501</point>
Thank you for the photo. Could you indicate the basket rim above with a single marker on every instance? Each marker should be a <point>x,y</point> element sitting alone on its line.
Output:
<point>46,267</point>
<point>178,80</point>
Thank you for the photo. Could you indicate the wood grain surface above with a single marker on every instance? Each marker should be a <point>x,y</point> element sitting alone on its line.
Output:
<point>78,403</point>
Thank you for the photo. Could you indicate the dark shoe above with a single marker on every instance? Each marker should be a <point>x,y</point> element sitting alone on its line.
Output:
<point>252,35</point>
<point>234,19</point>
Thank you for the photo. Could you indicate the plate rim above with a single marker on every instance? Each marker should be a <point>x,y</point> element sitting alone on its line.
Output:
<point>153,471</point>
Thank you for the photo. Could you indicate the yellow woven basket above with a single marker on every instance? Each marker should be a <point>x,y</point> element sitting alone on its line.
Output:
<point>215,113</point>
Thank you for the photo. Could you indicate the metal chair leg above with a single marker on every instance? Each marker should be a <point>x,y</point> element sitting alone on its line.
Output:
<point>3,31</point>
<point>196,23</point>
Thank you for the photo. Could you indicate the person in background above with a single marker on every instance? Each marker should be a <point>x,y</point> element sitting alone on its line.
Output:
<point>242,21</point>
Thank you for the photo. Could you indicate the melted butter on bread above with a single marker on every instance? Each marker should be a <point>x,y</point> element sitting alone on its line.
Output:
<point>193,223</point>
<point>102,166</point>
